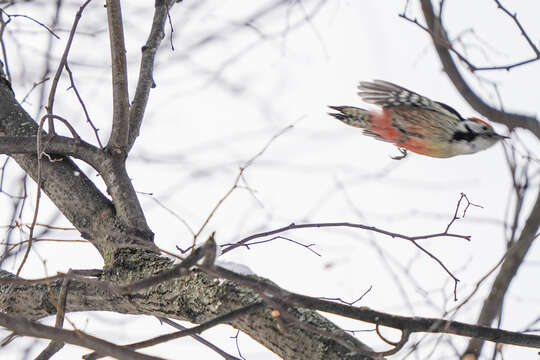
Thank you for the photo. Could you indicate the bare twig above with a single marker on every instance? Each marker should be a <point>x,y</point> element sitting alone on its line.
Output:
<point>34,86</point>
<point>351,303</point>
<point>242,311</point>
<point>412,239</point>
<point>443,41</point>
<point>31,19</point>
<point>437,32</point>
<point>456,217</point>
<point>61,65</point>
<point>294,226</point>
<point>39,152</point>
<point>55,346</point>
<point>307,246</point>
<point>200,339</point>
<point>237,180</point>
<point>521,29</point>
<point>3,25</point>
<point>238,344</point>
<point>146,79</point>
<point>21,326</point>
<point>511,264</point>
<point>86,114</point>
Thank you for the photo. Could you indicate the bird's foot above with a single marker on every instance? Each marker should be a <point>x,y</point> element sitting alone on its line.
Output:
<point>403,155</point>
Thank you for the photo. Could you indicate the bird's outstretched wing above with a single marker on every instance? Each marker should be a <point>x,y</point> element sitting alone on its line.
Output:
<point>389,95</point>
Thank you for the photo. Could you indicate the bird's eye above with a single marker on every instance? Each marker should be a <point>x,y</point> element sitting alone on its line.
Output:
<point>484,127</point>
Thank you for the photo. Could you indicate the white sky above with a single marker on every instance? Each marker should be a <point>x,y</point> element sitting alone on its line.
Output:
<point>197,133</point>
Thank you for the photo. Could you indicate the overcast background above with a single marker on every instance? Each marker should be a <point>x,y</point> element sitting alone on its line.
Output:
<point>218,102</point>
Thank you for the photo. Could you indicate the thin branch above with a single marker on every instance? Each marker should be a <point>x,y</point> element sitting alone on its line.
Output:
<point>221,319</point>
<point>511,264</point>
<point>65,122</point>
<point>511,120</point>
<point>33,20</point>
<point>63,61</point>
<point>350,303</point>
<point>3,25</point>
<point>34,86</point>
<point>405,334</point>
<point>456,217</point>
<point>307,246</point>
<point>39,152</point>
<point>294,226</point>
<point>412,239</point>
<point>442,41</point>
<point>146,79</point>
<point>200,339</point>
<point>55,346</point>
<point>237,180</point>
<point>83,105</point>
<point>22,326</point>
<point>521,29</point>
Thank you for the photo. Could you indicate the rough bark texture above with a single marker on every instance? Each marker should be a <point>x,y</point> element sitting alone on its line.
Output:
<point>195,297</point>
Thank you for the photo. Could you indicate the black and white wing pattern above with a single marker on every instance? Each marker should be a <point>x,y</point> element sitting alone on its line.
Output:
<point>388,95</point>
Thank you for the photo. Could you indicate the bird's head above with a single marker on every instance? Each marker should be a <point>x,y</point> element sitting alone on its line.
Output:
<point>482,128</point>
<point>476,134</point>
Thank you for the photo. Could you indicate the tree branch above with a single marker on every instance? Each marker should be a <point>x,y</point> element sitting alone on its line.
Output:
<point>58,145</point>
<point>76,196</point>
<point>509,269</point>
<point>146,79</point>
<point>62,64</point>
<point>410,324</point>
<point>120,127</point>
<point>25,327</point>
<point>511,120</point>
<point>242,311</point>
<point>55,346</point>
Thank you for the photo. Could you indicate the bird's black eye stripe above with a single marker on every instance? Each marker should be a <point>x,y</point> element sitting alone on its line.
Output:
<point>466,136</point>
<point>484,127</point>
<point>468,128</point>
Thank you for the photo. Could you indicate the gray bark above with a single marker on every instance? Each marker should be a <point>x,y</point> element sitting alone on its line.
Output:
<point>194,297</point>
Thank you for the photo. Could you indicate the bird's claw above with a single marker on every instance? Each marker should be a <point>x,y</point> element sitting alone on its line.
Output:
<point>403,155</point>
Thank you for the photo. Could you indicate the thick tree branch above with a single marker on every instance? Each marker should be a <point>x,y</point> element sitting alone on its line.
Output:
<point>194,297</point>
<point>127,205</point>
<point>438,34</point>
<point>120,125</point>
<point>74,194</point>
<point>58,145</point>
<point>146,79</point>
<point>410,324</point>
<point>65,184</point>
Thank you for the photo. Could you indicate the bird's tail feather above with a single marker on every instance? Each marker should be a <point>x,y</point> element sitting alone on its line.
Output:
<point>351,115</point>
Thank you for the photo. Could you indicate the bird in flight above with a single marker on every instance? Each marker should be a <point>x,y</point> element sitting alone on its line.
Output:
<point>416,123</point>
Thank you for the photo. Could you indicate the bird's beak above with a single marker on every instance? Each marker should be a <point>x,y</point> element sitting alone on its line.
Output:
<point>501,136</point>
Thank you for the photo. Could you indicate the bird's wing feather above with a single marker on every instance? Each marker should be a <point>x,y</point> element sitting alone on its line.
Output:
<point>389,95</point>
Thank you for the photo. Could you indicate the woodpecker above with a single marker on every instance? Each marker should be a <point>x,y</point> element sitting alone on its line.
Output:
<point>416,123</point>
